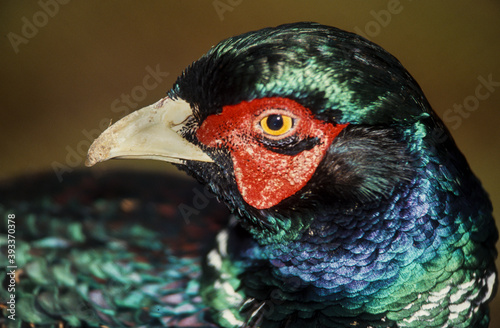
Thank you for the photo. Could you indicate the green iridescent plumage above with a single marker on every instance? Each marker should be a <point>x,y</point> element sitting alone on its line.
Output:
<point>391,229</point>
<point>108,250</point>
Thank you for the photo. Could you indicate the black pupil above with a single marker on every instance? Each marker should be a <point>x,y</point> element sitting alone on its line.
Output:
<point>275,122</point>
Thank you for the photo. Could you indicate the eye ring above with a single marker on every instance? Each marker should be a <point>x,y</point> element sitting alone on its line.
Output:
<point>276,124</point>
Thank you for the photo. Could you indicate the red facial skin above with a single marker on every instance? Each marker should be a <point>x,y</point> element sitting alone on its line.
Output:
<point>265,177</point>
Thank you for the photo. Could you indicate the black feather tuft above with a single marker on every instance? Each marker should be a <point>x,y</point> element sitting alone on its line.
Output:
<point>363,164</point>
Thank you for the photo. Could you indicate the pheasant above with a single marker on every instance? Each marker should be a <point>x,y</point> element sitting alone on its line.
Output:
<point>351,204</point>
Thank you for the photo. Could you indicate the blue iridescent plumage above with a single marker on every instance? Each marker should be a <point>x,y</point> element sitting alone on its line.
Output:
<point>379,221</point>
<point>392,230</point>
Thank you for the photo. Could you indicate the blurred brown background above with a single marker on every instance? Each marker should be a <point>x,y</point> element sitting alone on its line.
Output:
<point>68,67</point>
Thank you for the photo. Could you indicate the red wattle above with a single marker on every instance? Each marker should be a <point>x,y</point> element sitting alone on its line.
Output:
<point>265,177</point>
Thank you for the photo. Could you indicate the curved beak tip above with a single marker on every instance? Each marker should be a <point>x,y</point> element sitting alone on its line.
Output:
<point>96,155</point>
<point>148,133</point>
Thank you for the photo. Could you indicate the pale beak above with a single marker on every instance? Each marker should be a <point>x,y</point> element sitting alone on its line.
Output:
<point>149,133</point>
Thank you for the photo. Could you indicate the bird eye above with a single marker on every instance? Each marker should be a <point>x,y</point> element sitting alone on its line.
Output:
<point>276,124</point>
